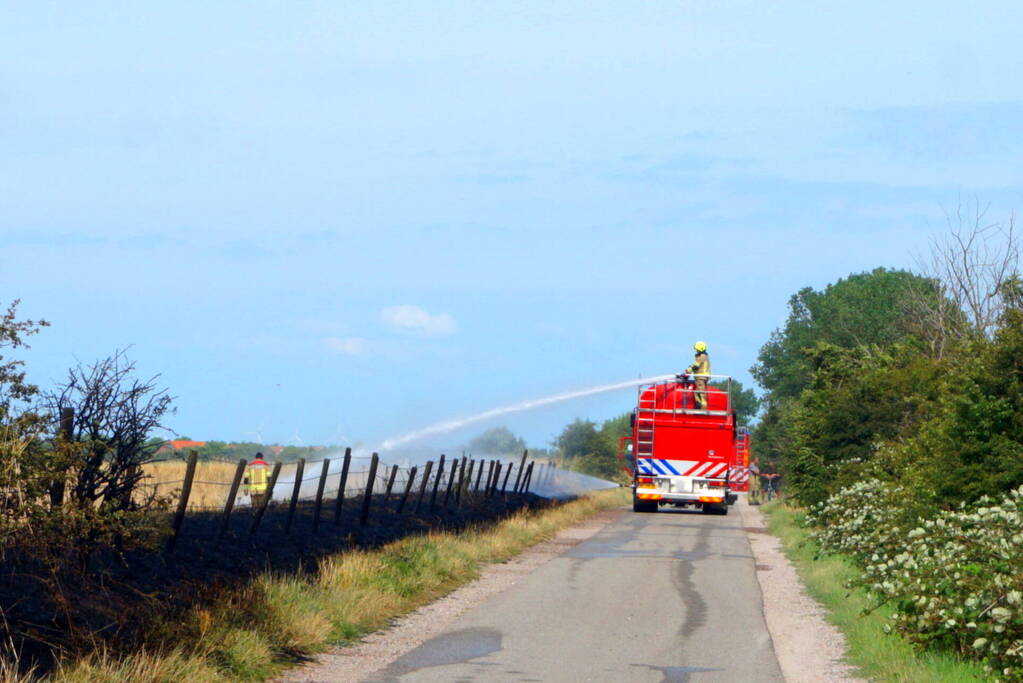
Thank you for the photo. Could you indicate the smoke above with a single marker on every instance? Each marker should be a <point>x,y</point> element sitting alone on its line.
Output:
<point>457,423</point>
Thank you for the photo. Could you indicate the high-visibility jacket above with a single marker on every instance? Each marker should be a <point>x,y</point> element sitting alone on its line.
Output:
<point>701,366</point>
<point>257,476</point>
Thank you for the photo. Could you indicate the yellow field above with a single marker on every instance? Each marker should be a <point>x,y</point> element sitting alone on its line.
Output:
<point>209,489</point>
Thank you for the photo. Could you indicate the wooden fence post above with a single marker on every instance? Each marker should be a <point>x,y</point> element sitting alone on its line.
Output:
<point>497,478</point>
<point>490,477</point>
<point>300,470</point>
<point>319,494</point>
<point>522,470</point>
<point>239,472</point>
<point>390,482</point>
<point>426,480</point>
<point>504,486</point>
<point>341,487</point>
<point>461,481</point>
<point>479,474</point>
<point>436,483</point>
<point>364,516</point>
<point>451,483</point>
<point>468,478</point>
<point>266,498</point>
<point>186,491</point>
<point>529,477</point>
<point>67,426</point>
<point>408,488</point>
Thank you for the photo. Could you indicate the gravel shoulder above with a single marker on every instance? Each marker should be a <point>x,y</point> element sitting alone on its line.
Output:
<point>808,647</point>
<point>356,662</point>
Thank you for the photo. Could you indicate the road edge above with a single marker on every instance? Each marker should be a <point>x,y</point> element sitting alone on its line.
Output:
<point>809,648</point>
<point>352,663</point>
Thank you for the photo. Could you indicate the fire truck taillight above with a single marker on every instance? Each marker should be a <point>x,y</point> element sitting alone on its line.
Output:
<point>644,481</point>
<point>715,483</point>
<point>710,499</point>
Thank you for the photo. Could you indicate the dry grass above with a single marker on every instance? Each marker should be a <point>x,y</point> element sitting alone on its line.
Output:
<point>142,667</point>
<point>209,489</point>
<point>255,632</point>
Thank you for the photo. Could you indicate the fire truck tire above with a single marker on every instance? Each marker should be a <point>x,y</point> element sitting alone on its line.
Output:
<point>711,509</point>
<point>643,505</point>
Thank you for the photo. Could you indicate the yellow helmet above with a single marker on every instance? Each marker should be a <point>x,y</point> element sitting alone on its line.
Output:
<point>700,346</point>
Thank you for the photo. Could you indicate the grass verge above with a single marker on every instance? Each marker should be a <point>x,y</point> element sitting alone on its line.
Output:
<point>254,633</point>
<point>879,656</point>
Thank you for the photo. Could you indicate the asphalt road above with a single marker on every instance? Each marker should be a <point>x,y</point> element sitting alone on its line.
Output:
<point>670,596</point>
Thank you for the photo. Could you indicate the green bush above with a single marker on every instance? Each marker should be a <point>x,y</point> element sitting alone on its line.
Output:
<point>954,579</point>
<point>957,582</point>
<point>861,520</point>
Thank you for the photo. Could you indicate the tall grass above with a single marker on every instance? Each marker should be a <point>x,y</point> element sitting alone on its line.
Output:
<point>209,490</point>
<point>254,632</point>
<point>881,656</point>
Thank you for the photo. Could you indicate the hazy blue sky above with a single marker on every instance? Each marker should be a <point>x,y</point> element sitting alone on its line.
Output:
<point>338,221</point>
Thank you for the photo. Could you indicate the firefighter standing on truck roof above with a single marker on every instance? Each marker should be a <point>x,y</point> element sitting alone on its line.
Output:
<point>256,479</point>
<point>700,369</point>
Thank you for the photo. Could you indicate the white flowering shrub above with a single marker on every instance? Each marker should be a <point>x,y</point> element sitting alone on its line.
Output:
<point>957,582</point>
<point>955,579</point>
<point>861,519</point>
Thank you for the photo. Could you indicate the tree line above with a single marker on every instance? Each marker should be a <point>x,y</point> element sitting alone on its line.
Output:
<point>913,377</point>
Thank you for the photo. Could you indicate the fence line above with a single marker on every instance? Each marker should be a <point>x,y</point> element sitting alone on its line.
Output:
<point>455,476</point>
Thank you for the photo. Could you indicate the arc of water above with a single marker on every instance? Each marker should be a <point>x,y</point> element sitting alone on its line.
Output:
<point>457,423</point>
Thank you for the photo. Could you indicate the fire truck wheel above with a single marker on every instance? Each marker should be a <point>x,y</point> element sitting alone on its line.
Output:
<point>643,505</point>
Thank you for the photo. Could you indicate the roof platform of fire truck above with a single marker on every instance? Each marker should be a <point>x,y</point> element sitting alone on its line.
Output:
<point>680,396</point>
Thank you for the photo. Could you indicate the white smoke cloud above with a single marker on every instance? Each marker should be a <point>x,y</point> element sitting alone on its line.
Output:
<point>349,346</point>
<point>414,319</point>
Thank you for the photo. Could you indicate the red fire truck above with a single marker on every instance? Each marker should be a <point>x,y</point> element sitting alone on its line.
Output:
<point>681,450</point>
<point>738,474</point>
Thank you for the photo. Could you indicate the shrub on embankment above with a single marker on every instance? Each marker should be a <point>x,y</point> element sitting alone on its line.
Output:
<point>954,579</point>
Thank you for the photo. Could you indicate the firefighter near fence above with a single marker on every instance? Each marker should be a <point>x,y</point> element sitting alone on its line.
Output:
<point>257,479</point>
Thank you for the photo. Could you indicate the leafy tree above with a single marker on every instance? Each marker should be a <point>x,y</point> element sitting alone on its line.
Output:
<point>497,441</point>
<point>862,309</point>
<point>617,427</point>
<point>583,447</point>
<point>25,473</point>
<point>15,392</point>
<point>744,401</point>
<point>858,399</point>
<point>579,439</point>
<point>874,310</point>
<point>973,445</point>
<point>215,450</point>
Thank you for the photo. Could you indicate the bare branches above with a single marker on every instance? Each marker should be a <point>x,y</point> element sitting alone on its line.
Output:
<point>114,415</point>
<point>968,269</point>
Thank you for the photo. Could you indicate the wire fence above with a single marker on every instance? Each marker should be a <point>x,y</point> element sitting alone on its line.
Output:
<point>335,487</point>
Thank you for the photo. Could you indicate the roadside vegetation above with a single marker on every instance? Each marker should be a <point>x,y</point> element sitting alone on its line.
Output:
<point>835,581</point>
<point>893,403</point>
<point>254,632</point>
